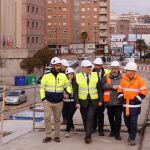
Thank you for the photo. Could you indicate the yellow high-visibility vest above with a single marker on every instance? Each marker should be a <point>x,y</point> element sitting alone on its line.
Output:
<point>85,89</point>
<point>50,83</point>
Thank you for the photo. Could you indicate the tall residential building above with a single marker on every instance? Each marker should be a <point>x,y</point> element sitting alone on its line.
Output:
<point>104,21</point>
<point>22,24</point>
<point>68,19</point>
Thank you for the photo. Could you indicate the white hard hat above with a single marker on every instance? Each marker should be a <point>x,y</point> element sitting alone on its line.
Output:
<point>131,66</point>
<point>98,61</point>
<point>86,63</point>
<point>70,70</point>
<point>64,62</point>
<point>55,60</point>
<point>115,64</point>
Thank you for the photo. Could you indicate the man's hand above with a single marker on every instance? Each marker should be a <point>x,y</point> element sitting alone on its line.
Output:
<point>100,103</point>
<point>115,87</point>
<point>78,106</point>
<point>66,96</point>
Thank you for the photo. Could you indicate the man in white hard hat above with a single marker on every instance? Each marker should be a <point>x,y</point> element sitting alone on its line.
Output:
<point>99,114</point>
<point>132,90</point>
<point>114,108</point>
<point>51,93</point>
<point>64,66</point>
<point>87,90</point>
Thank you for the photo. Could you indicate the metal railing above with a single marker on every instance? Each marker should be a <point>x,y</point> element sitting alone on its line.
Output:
<point>6,110</point>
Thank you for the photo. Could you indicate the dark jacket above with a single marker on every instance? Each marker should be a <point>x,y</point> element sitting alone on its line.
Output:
<point>113,93</point>
<point>85,102</point>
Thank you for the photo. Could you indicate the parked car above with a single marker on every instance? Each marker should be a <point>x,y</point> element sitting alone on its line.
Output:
<point>146,56</point>
<point>16,97</point>
<point>83,57</point>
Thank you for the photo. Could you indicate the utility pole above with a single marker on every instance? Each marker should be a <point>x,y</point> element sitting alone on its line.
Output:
<point>95,39</point>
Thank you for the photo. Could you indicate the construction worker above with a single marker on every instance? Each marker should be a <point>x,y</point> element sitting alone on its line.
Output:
<point>114,108</point>
<point>69,102</point>
<point>99,114</point>
<point>131,92</point>
<point>86,90</point>
<point>51,93</point>
<point>64,66</point>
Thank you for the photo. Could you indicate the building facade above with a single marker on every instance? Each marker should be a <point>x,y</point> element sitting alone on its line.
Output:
<point>22,24</point>
<point>67,20</point>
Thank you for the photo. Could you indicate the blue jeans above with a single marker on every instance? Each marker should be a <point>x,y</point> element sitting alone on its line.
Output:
<point>131,123</point>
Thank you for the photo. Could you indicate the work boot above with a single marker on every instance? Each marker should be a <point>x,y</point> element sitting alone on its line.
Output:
<point>111,134</point>
<point>56,139</point>
<point>118,137</point>
<point>88,140</point>
<point>132,142</point>
<point>101,133</point>
<point>67,134</point>
<point>47,139</point>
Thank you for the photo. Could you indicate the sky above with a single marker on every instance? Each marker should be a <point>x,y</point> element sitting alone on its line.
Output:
<point>123,6</point>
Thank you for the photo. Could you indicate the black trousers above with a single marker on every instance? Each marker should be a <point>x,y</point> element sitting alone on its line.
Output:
<point>115,118</point>
<point>99,118</point>
<point>87,114</point>
<point>64,111</point>
<point>131,123</point>
<point>71,109</point>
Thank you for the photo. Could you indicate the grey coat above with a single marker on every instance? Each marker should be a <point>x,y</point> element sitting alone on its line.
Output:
<point>113,93</point>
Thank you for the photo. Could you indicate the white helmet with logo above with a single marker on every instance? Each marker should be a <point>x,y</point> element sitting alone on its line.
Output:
<point>131,66</point>
<point>70,70</point>
<point>64,62</point>
<point>55,60</point>
<point>98,61</point>
<point>86,63</point>
<point>115,64</point>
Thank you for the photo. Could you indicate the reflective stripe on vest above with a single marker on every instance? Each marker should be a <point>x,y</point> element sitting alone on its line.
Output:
<point>107,92</point>
<point>84,89</point>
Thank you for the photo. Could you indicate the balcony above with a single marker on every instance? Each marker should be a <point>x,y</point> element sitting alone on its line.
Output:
<point>102,42</point>
<point>103,12</point>
<point>103,19</point>
<point>104,27</point>
<point>103,34</point>
<point>103,4</point>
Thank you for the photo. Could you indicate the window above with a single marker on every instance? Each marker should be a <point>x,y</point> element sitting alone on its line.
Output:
<point>32,24</point>
<point>82,24</point>
<point>95,9</point>
<point>32,9</point>
<point>64,9</point>
<point>64,24</point>
<point>37,39</point>
<point>28,40</point>
<point>28,8</point>
<point>49,16</point>
<point>33,39</point>
<point>37,9</point>
<point>49,24</point>
<point>83,9</point>
<point>28,24</point>
<point>37,24</point>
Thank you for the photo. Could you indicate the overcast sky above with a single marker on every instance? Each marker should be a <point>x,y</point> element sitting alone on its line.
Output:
<point>121,6</point>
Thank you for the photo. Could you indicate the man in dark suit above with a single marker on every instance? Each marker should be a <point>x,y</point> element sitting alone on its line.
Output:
<point>87,93</point>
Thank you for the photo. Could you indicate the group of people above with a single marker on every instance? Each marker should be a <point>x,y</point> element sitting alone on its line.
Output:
<point>91,91</point>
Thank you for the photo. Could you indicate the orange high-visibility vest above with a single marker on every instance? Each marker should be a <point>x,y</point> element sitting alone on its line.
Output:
<point>107,92</point>
<point>131,89</point>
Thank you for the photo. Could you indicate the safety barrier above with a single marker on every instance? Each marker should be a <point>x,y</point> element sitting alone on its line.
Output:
<point>5,110</point>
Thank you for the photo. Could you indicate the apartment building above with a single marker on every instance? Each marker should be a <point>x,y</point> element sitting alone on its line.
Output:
<point>67,20</point>
<point>22,24</point>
